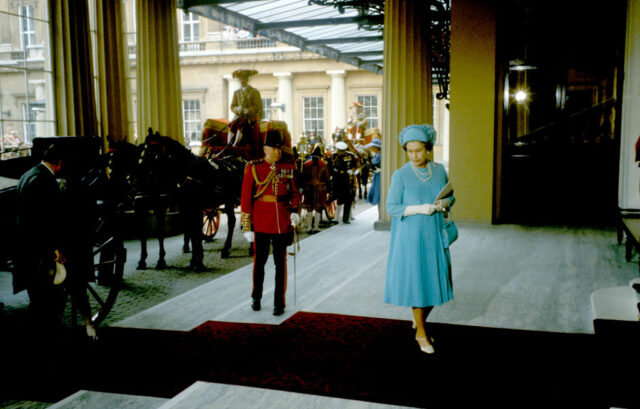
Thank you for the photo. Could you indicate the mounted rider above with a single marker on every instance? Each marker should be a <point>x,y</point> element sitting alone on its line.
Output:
<point>247,107</point>
<point>357,123</point>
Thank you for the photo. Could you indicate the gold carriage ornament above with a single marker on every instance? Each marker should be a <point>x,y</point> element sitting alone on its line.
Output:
<point>303,145</point>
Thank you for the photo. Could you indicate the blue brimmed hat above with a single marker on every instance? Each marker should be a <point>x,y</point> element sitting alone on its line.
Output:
<point>423,133</point>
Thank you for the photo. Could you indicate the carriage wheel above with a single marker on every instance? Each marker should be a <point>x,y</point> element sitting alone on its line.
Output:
<point>210,223</point>
<point>109,258</point>
<point>330,209</point>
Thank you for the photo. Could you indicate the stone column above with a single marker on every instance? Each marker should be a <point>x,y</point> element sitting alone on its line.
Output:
<point>285,97</point>
<point>629,178</point>
<point>234,84</point>
<point>338,100</point>
<point>407,93</point>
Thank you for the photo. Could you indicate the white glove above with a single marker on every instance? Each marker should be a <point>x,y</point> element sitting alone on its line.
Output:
<point>350,172</point>
<point>245,111</point>
<point>442,204</point>
<point>249,236</point>
<point>411,210</point>
<point>357,171</point>
<point>295,219</point>
<point>426,208</point>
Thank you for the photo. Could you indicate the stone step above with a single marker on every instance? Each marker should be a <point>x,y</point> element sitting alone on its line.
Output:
<point>205,395</point>
<point>615,303</point>
<point>104,400</point>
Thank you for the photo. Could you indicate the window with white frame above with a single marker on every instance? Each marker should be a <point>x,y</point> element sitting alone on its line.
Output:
<point>370,105</point>
<point>266,108</point>
<point>27,27</point>
<point>190,27</point>
<point>26,103</point>
<point>191,118</point>
<point>313,115</point>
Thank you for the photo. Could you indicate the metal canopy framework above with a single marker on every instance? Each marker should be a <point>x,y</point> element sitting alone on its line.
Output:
<point>318,29</point>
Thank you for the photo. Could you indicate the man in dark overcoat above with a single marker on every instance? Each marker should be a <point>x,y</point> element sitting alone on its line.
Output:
<point>343,170</point>
<point>39,240</point>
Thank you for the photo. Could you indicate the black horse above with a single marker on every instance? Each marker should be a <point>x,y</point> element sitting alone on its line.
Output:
<point>168,174</point>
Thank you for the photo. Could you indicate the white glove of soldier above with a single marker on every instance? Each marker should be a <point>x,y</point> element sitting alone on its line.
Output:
<point>295,219</point>
<point>350,172</point>
<point>442,204</point>
<point>426,208</point>
<point>357,172</point>
<point>249,236</point>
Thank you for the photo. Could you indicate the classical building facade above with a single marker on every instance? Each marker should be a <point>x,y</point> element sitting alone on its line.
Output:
<point>311,93</point>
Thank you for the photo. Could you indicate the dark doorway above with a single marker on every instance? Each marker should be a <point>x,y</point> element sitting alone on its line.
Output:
<point>558,139</point>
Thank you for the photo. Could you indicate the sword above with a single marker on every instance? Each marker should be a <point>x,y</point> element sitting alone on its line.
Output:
<point>296,243</point>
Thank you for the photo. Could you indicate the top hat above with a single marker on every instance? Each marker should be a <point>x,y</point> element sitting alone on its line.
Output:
<point>273,139</point>
<point>243,73</point>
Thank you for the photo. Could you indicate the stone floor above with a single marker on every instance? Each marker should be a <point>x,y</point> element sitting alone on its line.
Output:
<point>506,276</point>
<point>144,289</point>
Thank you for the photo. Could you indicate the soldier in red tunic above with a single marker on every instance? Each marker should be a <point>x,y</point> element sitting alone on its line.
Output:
<point>269,206</point>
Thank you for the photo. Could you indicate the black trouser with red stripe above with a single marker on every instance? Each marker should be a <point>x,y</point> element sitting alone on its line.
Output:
<point>262,244</point>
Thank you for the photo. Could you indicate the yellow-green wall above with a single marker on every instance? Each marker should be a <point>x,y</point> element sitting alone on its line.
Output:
<point>472,108</point>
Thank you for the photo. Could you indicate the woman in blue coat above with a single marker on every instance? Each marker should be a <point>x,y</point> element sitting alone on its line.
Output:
<point>419,267</point>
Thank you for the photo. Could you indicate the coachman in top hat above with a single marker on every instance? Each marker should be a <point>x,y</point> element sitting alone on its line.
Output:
<point>246,105</point>
<point>269,206</point>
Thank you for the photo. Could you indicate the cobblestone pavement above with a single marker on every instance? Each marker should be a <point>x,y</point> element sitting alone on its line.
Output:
<point>142,289</point>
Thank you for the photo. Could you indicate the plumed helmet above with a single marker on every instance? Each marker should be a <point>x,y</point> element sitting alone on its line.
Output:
<point>423,133</point>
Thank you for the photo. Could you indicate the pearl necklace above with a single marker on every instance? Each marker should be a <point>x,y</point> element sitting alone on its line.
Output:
<point>425,175</point>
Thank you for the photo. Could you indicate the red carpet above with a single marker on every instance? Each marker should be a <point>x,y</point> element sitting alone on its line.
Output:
<point>361,358</point>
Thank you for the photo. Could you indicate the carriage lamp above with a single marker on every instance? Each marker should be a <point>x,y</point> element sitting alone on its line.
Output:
<point>521,96</point>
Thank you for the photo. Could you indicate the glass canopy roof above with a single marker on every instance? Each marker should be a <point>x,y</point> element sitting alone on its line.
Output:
<point>320,29</point>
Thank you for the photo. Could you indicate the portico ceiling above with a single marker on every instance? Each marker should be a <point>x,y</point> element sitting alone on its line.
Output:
<point>310,27</point>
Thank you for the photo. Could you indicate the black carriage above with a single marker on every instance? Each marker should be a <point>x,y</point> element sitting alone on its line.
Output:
<point>87,195</point>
